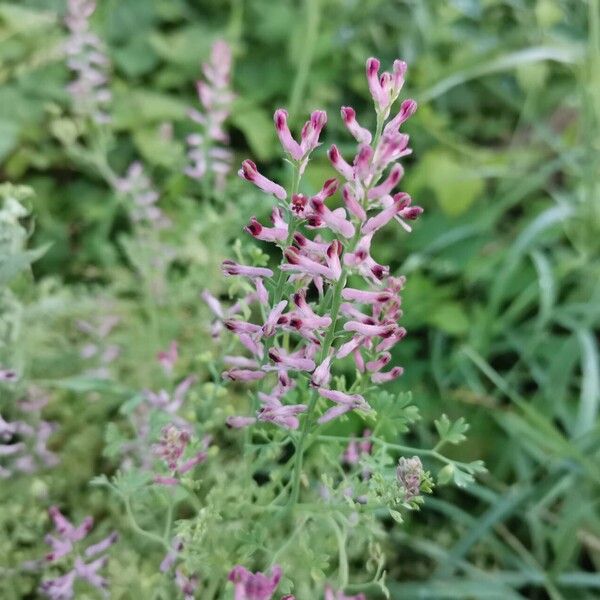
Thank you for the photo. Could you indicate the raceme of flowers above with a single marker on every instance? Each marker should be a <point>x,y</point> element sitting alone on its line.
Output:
<point>207,148</point>
<point>86,562</point>
<point>86,57</point>
<point>23,442</point>
<point>142,196</point>
<point>259,586</point>
<point>311,298</point>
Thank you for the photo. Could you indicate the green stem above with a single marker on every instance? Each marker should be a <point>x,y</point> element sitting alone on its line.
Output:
<point>169,520</point>
<point>336,302</point>
<point>343,557</point>
<point>136,527</point>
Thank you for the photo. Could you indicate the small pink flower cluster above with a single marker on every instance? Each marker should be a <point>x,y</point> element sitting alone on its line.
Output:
<point>168,405</point>
<point>409,473</point>
<point>142,196</point>
<point>358,448</point>
<point>171,448</point>
<point>187,584</point>
<point>23,442</point>
<point>343,320</point>
<point>207,151</point>
<point>87,59</point>
<point>63,544</point>
<point>258,586</point>
<point>98,347</point>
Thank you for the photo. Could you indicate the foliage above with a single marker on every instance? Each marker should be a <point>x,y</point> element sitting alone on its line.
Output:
<point>501,303</point>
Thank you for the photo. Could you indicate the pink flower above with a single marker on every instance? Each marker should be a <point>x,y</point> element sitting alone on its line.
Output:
<point>285,137</point>
<point>390,375</point>
<point>359,133</point>
<point>240,422</point>
<point>290,361</point>
<point>407,110</point>
<point>250,173</point>
<point>206,152</point>
<point>254,586</point>
<point>231,268</point>
<point>268,329</point>
<point>87,60</point>
<point>171,448</point>
<point>167,358</point>
<point>186,584</point>
<point>61,587</point>
<point>242,375</point>
<point>266,234</point>
<point>352,204</point>
<point>330,594</point>
<point>335,220</point>
<point>8,375</point>
<point>385,187</point>
<point>312,131</point>
<point>339,164</point>
<point>345,403</point>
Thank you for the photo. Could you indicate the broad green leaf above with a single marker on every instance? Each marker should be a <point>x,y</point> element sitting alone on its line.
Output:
<point>456,184</point>
<point>9,136</point>
<point>450,317</point>
<point>257,127</point>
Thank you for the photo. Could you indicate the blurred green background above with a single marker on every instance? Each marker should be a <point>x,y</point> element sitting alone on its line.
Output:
<point>503,297</point>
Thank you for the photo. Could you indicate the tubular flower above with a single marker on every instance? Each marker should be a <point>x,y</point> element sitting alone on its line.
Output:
<point>87,59</point>
<point>311,316</point>
<point>207,148</point>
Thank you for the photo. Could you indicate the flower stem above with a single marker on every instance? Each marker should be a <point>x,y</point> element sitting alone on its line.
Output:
<point>336,302</point>
<point>136,527</point>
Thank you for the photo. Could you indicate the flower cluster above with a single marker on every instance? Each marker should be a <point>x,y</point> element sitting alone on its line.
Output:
<point>254,586</point>
<point>207,149</point>
<point>98,347</point>
<point>64,544</point>
<point>313,300</point>
<point>171,448</point>
<point>137,187</point>
<point>258,586</point>
<point>409,473</point>
<point>23,442</point>
<point>357,448</point>
<point>87,60</point>
<point>162,402</point>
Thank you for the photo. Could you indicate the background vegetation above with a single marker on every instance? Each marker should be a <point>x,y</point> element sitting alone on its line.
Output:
<point>503,295</point>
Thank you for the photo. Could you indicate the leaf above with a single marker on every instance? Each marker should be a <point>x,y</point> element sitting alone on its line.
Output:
<point>137,57</point>
<point>590,382</point>
<point>21,19</point>
<point>257,127</point>
<point>450,317</point>
<point>456,185</point>
<point>135,108</point>
<point>158,151</point>
<point>445,474</point>
<point>394,413</point>
<point>563,54</point>
<point>15,263</point>
<point>84,384</point>
<point>9,136</point>
<point>449,432</point>
<point>396,516</point>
